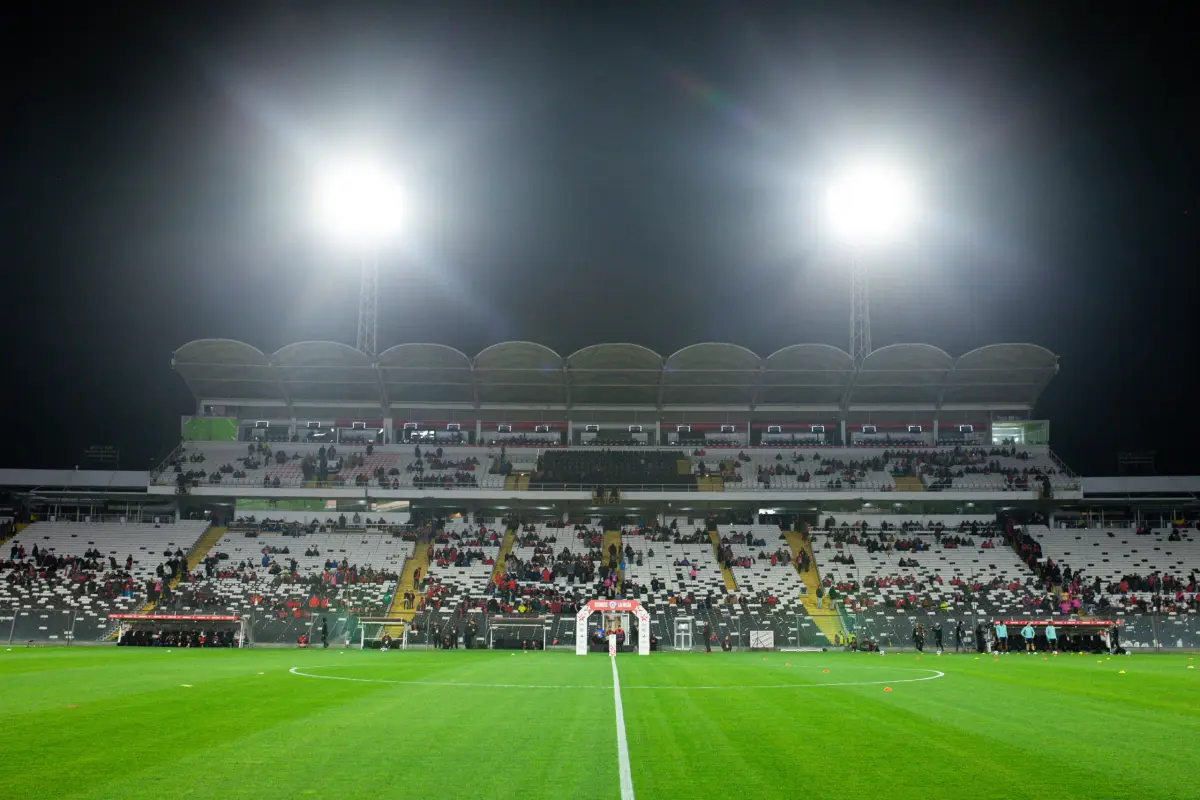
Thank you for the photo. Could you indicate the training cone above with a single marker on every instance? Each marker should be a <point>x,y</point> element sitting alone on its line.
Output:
<point>825,671</point>
<point>787,663</point>
<point>1122,672</point>
<point>887,688</point>
<point>976,658</point>
<point>1190,666</point>
<point>1045,659</point>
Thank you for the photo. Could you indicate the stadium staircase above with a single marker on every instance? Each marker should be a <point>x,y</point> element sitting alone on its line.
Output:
<point>510,537</point>
<point>726,573</point>
<point>611,538</point>
<point>827,619</point>
<point>418,560</point>
<point>517,483</point>
<point>909,483</point>
<point>207,541</point>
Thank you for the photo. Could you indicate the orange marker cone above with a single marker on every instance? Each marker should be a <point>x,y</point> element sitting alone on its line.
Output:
<point>887,688</point>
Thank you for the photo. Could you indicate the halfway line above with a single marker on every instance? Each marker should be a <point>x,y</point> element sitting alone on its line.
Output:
<point>622,743</point>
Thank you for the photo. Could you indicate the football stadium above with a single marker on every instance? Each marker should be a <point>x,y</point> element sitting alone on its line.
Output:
<point>601,574</point>
<point>543,530</point>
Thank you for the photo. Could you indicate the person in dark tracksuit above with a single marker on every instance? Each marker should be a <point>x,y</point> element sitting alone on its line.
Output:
<point>324,634</point>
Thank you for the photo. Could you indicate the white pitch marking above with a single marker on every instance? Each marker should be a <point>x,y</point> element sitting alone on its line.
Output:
<point>622,743</point>
<point>936,674</point>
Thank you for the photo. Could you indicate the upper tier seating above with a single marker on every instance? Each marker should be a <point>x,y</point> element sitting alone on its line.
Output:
<point>747,469</point>
<point>591,468</point>
<point>876,468</point>
<point>389,466</point>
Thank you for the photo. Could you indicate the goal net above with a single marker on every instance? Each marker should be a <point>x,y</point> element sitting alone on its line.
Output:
<point>524,633</point>
<point>382,633</point>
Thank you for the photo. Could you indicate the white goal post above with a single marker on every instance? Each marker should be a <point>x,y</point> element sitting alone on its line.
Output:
<point>612,607</point>
<point>507,632</point>
<point>372,629</point>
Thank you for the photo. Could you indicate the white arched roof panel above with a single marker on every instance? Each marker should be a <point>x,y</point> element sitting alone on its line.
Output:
<point>520,372</point>
<point>805,374</point>
<point>426,373</point>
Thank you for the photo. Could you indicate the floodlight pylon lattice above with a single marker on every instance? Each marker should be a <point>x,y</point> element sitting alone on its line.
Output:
<point>860,311</point>
<point>368,304</point>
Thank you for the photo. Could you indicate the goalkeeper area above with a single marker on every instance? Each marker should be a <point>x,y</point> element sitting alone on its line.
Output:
<point>149,722</point>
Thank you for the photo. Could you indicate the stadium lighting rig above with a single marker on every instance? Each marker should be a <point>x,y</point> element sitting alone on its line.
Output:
<point>359,205</point>
<point>870,207</point>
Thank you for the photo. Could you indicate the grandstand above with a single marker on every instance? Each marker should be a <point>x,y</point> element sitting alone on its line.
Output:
<point>737,491</point>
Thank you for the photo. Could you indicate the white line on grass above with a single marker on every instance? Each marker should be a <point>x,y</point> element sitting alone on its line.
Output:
<point>678,687</point>
<point>622,743</point>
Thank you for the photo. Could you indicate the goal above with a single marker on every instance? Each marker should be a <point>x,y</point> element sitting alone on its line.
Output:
<point>371,631</point>
<point>614,609</point>
<point>519,633</point>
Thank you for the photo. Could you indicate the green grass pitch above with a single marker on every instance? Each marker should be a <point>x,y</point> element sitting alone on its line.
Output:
<point>133,723</point>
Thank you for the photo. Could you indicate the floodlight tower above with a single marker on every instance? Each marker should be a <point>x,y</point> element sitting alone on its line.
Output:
<point>860,310</point>
<point>361,207</point>
<point>368,304</point>
<point>870,207</point>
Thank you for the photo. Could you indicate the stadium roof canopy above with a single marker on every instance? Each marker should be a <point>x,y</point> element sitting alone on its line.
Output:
<point>525,373</point>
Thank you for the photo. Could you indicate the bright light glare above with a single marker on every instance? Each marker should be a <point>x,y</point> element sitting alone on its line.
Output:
<point>871,205</point>
<point>359,204</point>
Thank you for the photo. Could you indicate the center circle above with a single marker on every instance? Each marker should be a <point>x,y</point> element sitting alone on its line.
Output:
<point>931,675</point>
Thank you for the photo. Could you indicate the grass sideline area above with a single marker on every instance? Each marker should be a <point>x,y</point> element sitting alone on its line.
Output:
<point>151,723</point>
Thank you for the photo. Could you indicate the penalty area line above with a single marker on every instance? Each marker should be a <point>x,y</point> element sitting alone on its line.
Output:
<point>622,742</point>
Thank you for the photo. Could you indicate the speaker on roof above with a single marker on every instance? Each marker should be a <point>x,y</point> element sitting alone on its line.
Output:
<point>358,426</point>
<point>868,429</point>
<point>728,429</point>
<point>683,428</point>
<point>914,428</point>
<point>635,428</point>
<point>818,428</point>
<point>453,426</point>
<point>262,423</point>
<point>504,429</point>
<point>591,428</point>
<point>313,425</point>
<point>538,428</point>
<point>774,429</point>
<point>410,426</point>
<point>966,428</point>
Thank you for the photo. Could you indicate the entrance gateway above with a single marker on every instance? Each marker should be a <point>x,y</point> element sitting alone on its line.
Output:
<point>615,608</point>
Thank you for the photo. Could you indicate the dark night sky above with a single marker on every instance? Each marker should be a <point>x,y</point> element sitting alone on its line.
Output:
<point>588,172</point>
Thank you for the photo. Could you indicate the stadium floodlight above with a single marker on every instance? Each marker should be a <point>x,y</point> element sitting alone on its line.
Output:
<point>872,204</point>
<point>359,204</point>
